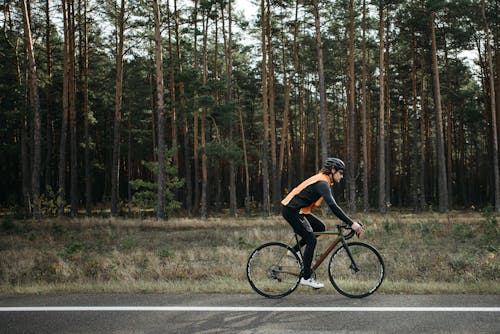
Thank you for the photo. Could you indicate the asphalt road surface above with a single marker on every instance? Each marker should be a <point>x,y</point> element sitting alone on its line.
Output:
<point>245,314</point>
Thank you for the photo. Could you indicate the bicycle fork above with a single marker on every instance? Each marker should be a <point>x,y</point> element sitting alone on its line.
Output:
<point>353,265</point>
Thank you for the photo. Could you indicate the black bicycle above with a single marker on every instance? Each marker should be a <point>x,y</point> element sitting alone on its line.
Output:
<point>356,269</point>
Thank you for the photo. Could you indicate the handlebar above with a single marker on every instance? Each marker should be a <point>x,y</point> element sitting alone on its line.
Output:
<point>351,231</point>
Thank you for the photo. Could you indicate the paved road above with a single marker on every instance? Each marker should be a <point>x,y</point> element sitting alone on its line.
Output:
<point>246,314</point>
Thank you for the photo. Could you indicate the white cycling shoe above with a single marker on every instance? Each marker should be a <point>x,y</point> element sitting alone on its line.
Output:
<point>311,282</point>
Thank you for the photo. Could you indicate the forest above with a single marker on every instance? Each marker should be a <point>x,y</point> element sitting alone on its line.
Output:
<point>209,107</point>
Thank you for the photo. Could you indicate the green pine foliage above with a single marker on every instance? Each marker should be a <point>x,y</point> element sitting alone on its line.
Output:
<point>144,192</point>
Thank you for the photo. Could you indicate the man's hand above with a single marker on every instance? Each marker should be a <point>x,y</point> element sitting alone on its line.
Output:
<point>357,228</point>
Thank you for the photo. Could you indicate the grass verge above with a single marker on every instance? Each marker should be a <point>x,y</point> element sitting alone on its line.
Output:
<point>431,253</point>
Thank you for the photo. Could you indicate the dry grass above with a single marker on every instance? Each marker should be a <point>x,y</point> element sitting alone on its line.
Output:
<point>429,253</point>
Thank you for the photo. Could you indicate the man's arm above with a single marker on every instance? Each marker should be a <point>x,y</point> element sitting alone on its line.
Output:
<point>325,192</point>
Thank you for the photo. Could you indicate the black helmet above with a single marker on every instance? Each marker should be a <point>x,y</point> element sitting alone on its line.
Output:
<point>334,163</point>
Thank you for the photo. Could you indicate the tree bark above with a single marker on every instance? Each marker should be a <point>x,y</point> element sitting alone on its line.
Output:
<point>286,140</point>
<point>88,171</point>
<point>48,91</point>
<point>185,124</point>
<point>35,107</point>
<point>172,90</point>
<point>228,46</point>
<point>161,212</point>
<point>322,89</point>
<point>441,159</point>
<point>351,101</point>
<point>491,74</point>
<point>61,196</point>
<point>204,172</point>
<point>364,121</point>
<point>72,111</point>
<point>196,118</point>
<point>415,171</point>
<point>381,176</point>
<point>276,177</point>
<point>265,144</point>
<point>115,170</point>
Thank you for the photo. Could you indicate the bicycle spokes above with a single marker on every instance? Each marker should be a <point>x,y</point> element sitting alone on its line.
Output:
<point>271,272</point>
<point>356,270</point>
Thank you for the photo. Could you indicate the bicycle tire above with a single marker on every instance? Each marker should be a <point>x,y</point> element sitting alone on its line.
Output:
<point>273,273</point>
<point>354,283</point>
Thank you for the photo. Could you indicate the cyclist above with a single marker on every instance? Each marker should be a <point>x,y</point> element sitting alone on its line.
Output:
<point>297,207</point>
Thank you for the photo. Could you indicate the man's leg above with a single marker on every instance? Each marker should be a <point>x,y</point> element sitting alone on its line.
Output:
<point>302,227</point>
<point>317,226</point>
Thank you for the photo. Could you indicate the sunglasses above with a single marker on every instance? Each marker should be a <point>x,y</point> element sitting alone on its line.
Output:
<point>340,171</point>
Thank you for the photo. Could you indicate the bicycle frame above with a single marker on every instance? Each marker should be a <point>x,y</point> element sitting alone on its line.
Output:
<point>339,239</point>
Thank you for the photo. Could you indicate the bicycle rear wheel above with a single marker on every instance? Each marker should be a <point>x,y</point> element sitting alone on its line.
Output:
<point>359,277</point>
<point>273,272</point>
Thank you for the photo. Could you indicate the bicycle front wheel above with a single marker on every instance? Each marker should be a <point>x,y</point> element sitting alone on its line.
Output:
<point>273,270</point>
<point>356,271</point>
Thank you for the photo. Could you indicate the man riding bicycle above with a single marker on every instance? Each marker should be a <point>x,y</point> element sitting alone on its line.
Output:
<point>297,207</point>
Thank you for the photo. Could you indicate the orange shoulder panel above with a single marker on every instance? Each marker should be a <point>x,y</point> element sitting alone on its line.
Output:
<point>304,184</point>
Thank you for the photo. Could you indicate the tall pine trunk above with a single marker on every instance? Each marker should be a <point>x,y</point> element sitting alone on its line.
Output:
<point>115,169</point>
<point>441,157</point>
<point>275,176</point>
<point>160,110</point>
<point>265,110</point>
<point>364,117</point>
<point>34,102</point>
<point>196,118</point>
<point>61,196</point>
<point>48,91</point>
<point>88,175</point>
<point>203,139</point>
<point>381,176</point>
<point>172,90</point>
<point>72,111</point>
<point>491,75</point>
<point>228,45</point>
<point>185,124</point>
<point>322,87</point>
<point>351,101</point>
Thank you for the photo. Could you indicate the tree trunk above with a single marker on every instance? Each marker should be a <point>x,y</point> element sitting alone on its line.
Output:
<point>61,197</point>
<point>245,161</point>
<point>72,111</point>
<point>415,171</point>
<point>388,118</point>
<point>322,88</point>
<point>265,144</point>
<point>115,170</point>
<point>303,125</point>
<point>286,140</point>
<point>196,118</point>
<point>35,107</point>
<point>161,212</point>
<point>381,176</point>
<point>364,122</point>
<point>287,83</point>
<point>351,101</point>
<point>172,92</point>
<point>491,74</point>
<point>228,46</point>
<point>441,158</point>
<point>48,91</point>
<point>185,124</point>
<point>88,172</point>
<point>204,172</point>
<point>276,178</point>
<point>449,132</point>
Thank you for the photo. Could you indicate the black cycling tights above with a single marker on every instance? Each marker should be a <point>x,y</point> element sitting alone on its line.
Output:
<point>304,225</point>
